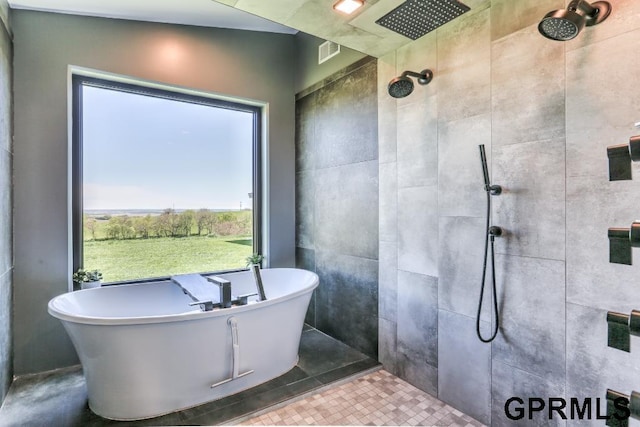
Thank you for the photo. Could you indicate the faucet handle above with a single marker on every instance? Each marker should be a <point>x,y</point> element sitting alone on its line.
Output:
<point>243,299</point>
<point>621,240</point>
<point>620,158</point>
<point>208,305</point>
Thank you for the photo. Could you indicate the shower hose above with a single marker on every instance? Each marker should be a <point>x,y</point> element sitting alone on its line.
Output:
<point>489,239</point>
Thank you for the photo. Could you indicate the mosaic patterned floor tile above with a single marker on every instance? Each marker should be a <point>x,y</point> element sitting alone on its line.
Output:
<point>378,399</point>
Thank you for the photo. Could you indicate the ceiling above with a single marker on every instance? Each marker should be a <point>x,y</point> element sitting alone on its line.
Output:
<point>205,13</point>
<point>316,17</point>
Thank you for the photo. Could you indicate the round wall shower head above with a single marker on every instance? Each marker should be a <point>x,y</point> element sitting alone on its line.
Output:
<point>566,24</point>
<point>402,86</point>
<point>561,25</point>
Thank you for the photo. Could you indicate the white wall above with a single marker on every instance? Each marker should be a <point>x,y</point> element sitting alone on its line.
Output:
<point>247,64</point>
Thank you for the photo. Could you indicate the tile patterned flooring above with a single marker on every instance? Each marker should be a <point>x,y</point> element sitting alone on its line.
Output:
<point>378,398</point>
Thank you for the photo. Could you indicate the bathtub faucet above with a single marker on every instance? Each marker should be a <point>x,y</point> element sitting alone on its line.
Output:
<point>226,300</point>
<point>225,290</point>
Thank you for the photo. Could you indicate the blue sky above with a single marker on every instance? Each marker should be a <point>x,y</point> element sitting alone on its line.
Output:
<point>141,152</point>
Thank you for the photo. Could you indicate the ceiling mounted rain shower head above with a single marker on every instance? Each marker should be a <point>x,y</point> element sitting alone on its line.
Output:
<point>415,18</point>
<point>402,86</point>
<point>565,24</point>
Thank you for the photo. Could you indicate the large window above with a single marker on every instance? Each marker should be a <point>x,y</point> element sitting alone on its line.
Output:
<point>164,183</point>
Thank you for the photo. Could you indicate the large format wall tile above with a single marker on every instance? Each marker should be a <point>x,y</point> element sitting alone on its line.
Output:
<point>6,342</point>
<point>305,136</point>
<point>464,368</point>
<point>347,300</point>
<point>306,259</point>
<point>346,209</point>
<point>546,112</point>
<point>346,126</point>
<point>461,250</point>
<point>527,88</point>
<point>418,317</point>
<point>337,205</point>
<point>417,144</point>
<point>604,115</point>
<point>623,19</point>
<point>416,57</point>
<point>508,16</point>
<point>464,67</point>
<point>593,206</point>
<point>387,110</point>
<point>465,92</point>
<point>531,294</point>
<point>388,281</point>
<point>305,208</point>
<point>531,209</point>
<point>592,366</point>
<point>464,41</point>
<point>418,230</point>
<point>6,217</point>
<point>387,345</point>
<point>508,382</point>
<point>6,105</point>
<point>460,180</point>
<point>6,210</point>
<point>418,372</point>
<point>388,184</point>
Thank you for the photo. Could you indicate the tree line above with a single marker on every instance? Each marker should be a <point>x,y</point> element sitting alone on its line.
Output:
<point>170,224</point>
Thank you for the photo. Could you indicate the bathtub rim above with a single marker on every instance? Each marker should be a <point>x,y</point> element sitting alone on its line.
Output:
<point>65,315</point>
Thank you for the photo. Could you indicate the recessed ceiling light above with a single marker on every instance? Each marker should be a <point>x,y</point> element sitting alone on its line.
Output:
<point>348,6</point>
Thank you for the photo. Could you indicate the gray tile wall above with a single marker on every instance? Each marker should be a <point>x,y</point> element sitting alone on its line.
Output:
<point>337,204</point>
<point>6,210</point>
<point>546,111</point>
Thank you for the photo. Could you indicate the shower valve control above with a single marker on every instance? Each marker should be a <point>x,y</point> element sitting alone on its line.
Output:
<point>621,327</point>
<point>620,158</point>
<point>621,240</point>
<point>621,407</point>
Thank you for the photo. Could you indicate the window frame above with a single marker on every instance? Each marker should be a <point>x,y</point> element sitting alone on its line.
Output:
<point>77,226</point>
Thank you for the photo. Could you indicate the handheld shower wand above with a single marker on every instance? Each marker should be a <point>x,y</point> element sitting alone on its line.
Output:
<point>490,235</point>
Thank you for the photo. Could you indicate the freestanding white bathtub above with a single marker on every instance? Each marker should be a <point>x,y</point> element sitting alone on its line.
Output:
<point>146,352</point>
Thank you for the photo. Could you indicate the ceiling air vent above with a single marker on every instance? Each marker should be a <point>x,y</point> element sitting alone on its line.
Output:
<point>327,50</point>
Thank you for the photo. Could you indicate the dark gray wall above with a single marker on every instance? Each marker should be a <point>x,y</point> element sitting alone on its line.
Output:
<point>6,209</point>
<point>247,64</point>
<point>337,203</point>
<point>546,112</point>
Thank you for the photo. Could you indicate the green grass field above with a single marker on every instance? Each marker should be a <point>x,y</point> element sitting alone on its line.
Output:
<point>157,257</point>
